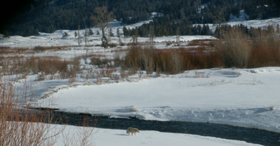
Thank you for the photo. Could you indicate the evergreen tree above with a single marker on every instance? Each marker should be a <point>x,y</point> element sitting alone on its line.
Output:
<point>118,32</point>
<point>125,32</point>
<point>37,32</point>
<point>119,36</point>
<point>205,30</point>
<point>79,37</point>
<point>177,34</point>
<point>189,31</point>
<point>270,29</point>
<point>151,34</point>
<point>90,32</point>
<point>86,34</point>
<point>6,34</point>
<point>65,34</point>
<point>135,35</point>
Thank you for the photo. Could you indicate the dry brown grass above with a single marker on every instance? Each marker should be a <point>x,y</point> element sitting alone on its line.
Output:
<point>27,50</point>
<point>112,45</point>
<point>93,55</point>
<point>15,51</point>
<point>119,50</point>
<point>202,43</point>
<point>99,62</point>
<point>197,49</point>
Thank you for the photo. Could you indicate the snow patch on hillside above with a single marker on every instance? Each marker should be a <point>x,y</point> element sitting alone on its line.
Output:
<point>243,16</point>
<point>263,24</point>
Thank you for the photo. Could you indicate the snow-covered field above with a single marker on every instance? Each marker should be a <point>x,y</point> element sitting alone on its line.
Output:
<point>55,39</point>
<point>240,97</point>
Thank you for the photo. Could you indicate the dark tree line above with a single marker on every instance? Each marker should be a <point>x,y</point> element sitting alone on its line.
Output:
<point>250,31</point>
<point>147,30</point>
<point>219,30</point>
<point>50,15</point>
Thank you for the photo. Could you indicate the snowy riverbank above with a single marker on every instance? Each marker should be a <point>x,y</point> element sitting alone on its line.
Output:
<point>240,97</point>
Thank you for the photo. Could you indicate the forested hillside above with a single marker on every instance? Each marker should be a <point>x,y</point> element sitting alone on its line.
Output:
<point>178,15</point>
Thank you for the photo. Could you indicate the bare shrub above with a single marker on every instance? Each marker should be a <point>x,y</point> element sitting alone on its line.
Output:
<point>201,75</point>
<point>112,45</point>
<point>170,61</point>
<point>264,56</point>
<point>38,49</point>
<point>124,75</point>
<point>132,44</point>
<point>99,81</point>
<point>22,65</point>
<point>20,126</point>
<point>147,57</point>
<point>41,77</point>
<point>132,71</point>
<point>168,43</point>
<point>234,48</point>
<point>140,74</point>
<point>117,60</point>
<point>76,64</point>
<point>72,80</point>
<point>99,62</point>
<point>81,137</point>
<point>117,78</point>
<point>176,62</point>
<point>138,57</point>
<point>158,71</point>
<point>265,52</point>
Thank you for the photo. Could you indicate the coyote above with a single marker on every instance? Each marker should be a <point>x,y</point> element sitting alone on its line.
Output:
<point>132,130</point>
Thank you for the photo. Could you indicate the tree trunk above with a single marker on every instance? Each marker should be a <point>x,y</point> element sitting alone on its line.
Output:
<point>104,39</point>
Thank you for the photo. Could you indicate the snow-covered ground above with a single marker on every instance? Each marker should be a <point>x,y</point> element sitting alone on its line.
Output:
<point>55,39</point>
<point>108,137</point>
